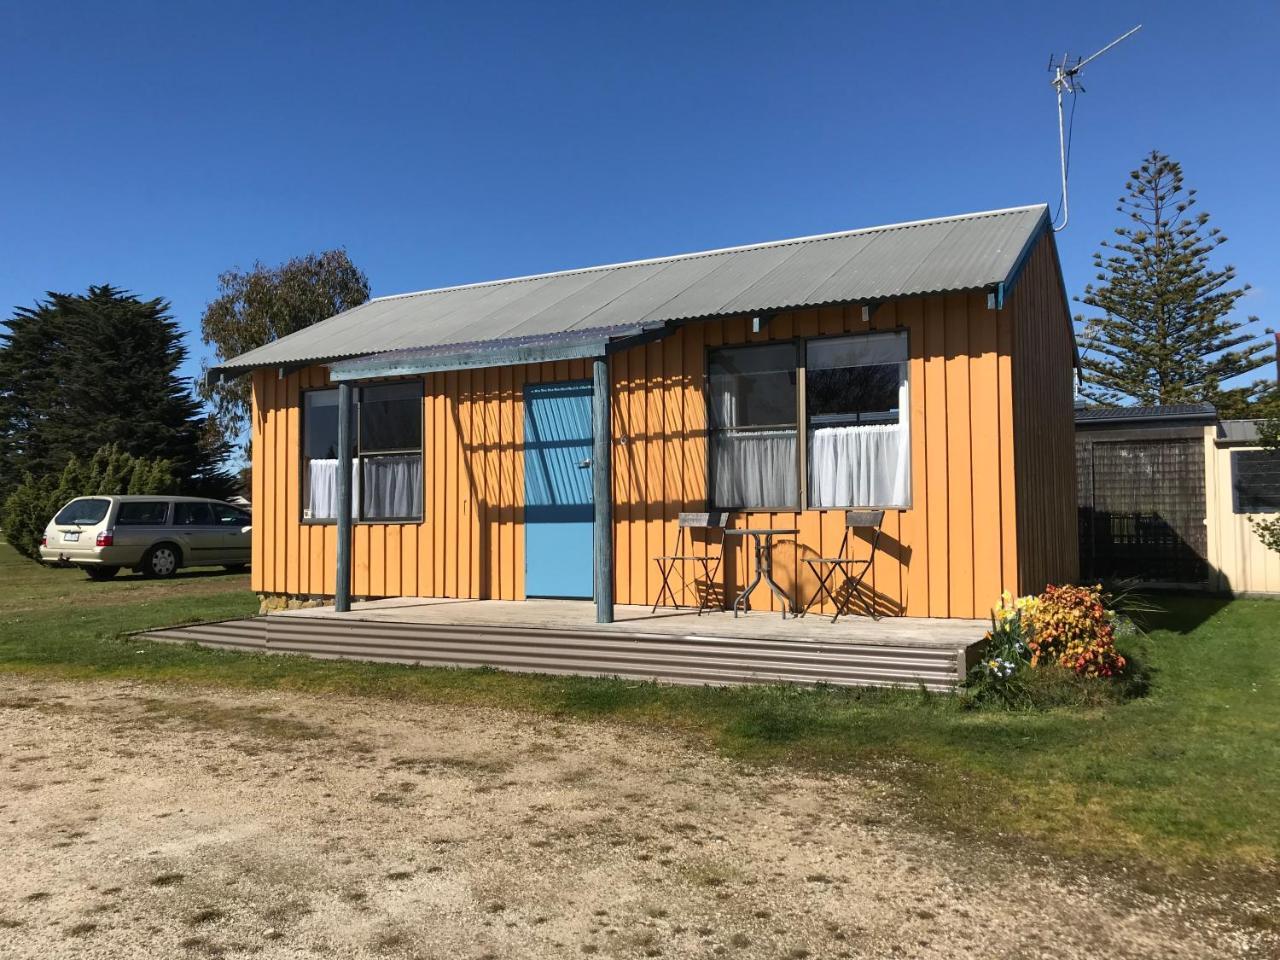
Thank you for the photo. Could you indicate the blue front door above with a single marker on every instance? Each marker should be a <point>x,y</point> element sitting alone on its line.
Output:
<point>558,505</point>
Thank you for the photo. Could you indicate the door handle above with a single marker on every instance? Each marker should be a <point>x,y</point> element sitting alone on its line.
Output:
<point>585,463</point>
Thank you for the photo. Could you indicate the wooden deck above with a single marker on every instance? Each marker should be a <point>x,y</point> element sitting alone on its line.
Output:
<point>561,637</point>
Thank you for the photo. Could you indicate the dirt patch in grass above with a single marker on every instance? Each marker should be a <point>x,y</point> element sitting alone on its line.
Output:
<point>250,720</point>
<point>509,836</point>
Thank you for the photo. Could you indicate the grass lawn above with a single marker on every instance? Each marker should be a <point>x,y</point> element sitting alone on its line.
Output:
<point>1184,779</point>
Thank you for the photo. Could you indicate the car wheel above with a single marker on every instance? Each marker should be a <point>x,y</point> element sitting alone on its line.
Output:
<point>100,572</point>
<point>161,561</point>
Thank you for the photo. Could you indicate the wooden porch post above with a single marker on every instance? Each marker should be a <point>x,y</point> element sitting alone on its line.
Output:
<point>602,483</point>
<point>342,589</point>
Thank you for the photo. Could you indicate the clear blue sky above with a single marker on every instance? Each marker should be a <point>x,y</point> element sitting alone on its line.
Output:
<point>152,145</point>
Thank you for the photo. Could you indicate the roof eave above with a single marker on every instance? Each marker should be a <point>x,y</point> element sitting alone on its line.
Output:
<point>578,345</point>
<point>1200,417</point>
<point>997,297</point>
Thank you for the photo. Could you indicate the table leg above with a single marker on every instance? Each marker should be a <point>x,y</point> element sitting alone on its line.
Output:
<point>764,560</point>
<point>743,599</point>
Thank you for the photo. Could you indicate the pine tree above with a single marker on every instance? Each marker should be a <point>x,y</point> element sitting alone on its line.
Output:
<point>89,370</point>
<point>1167,334</point>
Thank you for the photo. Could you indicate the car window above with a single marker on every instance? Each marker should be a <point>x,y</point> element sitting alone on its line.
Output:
<point>151,512</point>
<point>84,512</point>
<point>192,515</point>
<point>226,515</point>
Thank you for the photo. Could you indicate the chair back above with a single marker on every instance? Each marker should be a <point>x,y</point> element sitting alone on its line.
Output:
<point>861,520</point>
<point>866,519</point>
<point>716,518</point>
<point>713,520</point>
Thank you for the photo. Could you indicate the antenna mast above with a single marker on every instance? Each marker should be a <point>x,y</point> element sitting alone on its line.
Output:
<point>1066,80</point>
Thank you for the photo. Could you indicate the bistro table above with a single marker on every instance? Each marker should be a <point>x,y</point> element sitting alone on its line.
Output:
<point>763,537</point>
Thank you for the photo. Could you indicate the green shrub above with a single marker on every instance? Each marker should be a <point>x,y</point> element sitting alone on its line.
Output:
<point>1132,610</point>
<point>1268,531</point>
<point>24,515</point>
<point>33,503</point>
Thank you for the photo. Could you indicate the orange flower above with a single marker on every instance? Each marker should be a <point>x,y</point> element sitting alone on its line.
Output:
<point>1070,626</point>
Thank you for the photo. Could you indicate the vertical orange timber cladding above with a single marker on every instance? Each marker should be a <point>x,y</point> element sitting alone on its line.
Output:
<point>949,555</point>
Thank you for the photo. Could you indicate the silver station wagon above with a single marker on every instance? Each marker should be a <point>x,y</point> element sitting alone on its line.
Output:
<point>156,536</point>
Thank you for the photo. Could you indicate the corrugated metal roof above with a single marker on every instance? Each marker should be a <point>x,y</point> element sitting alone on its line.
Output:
<point>969,252</point>
<point>1164,412</point>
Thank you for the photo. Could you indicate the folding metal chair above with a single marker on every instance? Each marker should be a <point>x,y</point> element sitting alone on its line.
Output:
<point>710,562</point>
<point>851,570</point>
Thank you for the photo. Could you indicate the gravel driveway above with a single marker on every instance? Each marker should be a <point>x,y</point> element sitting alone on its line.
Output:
<point>149,821</point>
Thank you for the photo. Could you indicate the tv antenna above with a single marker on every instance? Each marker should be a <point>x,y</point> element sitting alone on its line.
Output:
<point>1066,79</point>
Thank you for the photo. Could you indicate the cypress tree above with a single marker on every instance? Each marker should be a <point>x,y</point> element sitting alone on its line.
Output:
<point>1167,333</point>
<point>29,392</point>
<point>84,371</point>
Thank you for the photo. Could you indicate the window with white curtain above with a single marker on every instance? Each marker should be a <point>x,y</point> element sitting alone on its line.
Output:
<point>387,475</point>
<point>752,397</point>
<point>851,395</point>
<point>858,431</point>
<point>320,455</point>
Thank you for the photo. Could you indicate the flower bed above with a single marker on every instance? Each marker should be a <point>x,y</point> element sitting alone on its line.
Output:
<point>1066,628</point>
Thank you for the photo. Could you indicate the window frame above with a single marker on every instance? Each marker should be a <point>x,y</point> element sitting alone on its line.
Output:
<point>797,344</point>
<point>302,459</point>
<point>802,420</point>
<point>244,517</point>
<point>190,505</point>
<point>106,512</point>
<point>1237,507</point>
<point>904,416</point>
<point>421,451</point>
<point>163,522</point>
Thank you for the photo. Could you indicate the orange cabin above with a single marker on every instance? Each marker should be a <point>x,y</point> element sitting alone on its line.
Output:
<point>923,368</point>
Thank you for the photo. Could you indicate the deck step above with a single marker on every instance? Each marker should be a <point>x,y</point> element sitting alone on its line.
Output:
<point>667,658</point>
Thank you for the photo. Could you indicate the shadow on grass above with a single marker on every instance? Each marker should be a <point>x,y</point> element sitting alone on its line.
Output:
<point>181,576</point>
<point>1182,612</point>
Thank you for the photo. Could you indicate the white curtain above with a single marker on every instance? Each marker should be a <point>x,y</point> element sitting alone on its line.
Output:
<point>725,398</point>
<point>322,489</point>
<point>392,487</point>
<point>859,466</point>
<point>754,468</point>
<point>864,465</point>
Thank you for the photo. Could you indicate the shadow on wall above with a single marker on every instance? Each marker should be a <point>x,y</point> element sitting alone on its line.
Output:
<point>1139,545</point>
<point>1146,548</point>
<point>632,505</point>
<point>794,576</point>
